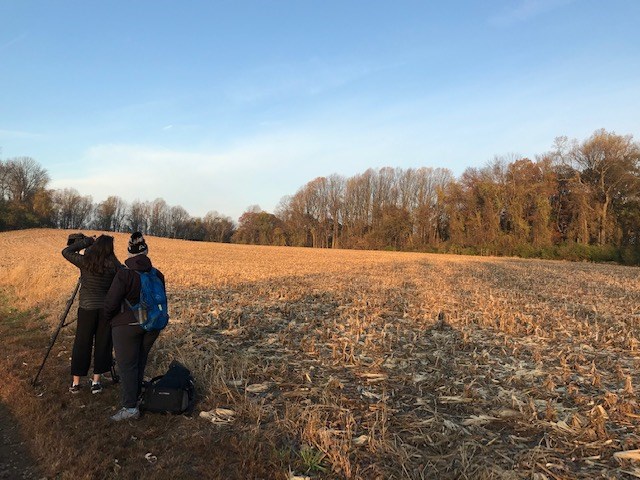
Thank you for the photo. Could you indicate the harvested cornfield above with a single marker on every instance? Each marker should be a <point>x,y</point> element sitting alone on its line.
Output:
<point>365,365</point>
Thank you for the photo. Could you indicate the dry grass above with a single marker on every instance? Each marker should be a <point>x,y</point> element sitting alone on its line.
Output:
<point>346,364</point>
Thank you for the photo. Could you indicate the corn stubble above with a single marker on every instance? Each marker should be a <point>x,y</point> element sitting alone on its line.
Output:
<point>365,365</point>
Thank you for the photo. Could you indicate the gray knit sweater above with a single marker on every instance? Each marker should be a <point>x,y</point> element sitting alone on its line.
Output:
<point>93,287</point>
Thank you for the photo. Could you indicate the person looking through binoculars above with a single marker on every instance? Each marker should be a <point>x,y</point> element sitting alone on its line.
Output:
<point>98,267</point>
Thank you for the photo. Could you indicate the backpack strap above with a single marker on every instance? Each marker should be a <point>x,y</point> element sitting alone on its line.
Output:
<point>155,379</point>
<point>125,298</point>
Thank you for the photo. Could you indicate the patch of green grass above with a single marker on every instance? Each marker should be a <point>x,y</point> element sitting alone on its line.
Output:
<point>283,455</point>
<point>312,459</point>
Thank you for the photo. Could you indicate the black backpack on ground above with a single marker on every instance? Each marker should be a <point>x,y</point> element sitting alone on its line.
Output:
<point>173,392</point>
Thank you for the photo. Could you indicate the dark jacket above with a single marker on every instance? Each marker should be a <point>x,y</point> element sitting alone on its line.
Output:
<point>94,287</point>
<point>126,285</point>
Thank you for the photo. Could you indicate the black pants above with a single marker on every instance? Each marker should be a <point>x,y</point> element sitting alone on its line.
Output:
<point>132,345</point>
<point>92,325</point>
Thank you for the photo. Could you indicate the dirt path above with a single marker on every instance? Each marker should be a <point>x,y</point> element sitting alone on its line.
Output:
<point>15,460</point>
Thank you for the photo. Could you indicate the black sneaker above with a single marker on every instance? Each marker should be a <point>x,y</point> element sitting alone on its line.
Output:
<point>96,387</point>
<point>74,389</point>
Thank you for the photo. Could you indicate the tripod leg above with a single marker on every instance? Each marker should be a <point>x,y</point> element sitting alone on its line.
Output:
<point>55,334</point>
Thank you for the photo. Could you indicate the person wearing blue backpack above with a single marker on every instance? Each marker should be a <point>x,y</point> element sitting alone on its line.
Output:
<point>136,307</point>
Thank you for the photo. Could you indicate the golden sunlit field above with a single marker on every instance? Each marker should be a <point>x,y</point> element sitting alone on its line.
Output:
<point>343,364</point>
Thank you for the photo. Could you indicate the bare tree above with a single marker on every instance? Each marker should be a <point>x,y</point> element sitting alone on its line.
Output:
<point>218,228</point>
<point>610,164</point>
<point>72,210</point>
<point>297,223</point>
<point>310,210</point>
<point>358,207</point>
<point>23,177</point>
<point>426,203</point>
<point>178,220</point>
<point>335,193</point>
<point>4,181</point>
<point>159,218</point>
<point>138,218</point>
<point>110,214</point>
<point>407,185</point>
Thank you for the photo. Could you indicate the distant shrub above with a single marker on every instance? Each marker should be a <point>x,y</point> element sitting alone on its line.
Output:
<point>573,252</point>
<point>577,252</point>
<point>460,250</point>
<point>604,253</point>
<point>527,251</point>
<point>630,255</point>
<point>549,253</point>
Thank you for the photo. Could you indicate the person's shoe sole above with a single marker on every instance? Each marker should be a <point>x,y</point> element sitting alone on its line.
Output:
<point>119,416</point>
<point>124,419</point>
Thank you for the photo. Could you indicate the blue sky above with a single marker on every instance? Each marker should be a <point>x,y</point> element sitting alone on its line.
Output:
<point>218,105</point>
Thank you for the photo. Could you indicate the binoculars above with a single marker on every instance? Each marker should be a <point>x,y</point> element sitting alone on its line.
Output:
<point>74,237</point>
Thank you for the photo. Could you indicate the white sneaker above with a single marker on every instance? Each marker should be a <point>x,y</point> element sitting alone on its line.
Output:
<point>126,414</point>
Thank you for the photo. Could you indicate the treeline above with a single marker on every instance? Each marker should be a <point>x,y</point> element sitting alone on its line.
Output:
<point>579,201</point>
<point>26,202</point>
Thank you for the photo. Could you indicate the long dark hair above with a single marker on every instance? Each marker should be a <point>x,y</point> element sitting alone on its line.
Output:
<point>99,256</point>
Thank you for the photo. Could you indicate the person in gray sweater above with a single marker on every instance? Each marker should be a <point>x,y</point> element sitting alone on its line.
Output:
<point>98,266</point>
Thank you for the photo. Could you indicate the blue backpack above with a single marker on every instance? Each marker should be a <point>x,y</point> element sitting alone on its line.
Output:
<point>151,312</point>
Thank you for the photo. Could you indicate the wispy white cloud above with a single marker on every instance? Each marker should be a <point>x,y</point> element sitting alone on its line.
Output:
<point>226,181</point>
<point>20,134</point>
<point>310,78</point>
<point>525,10</point>
<point>140,172</point>
<point>13,41</point>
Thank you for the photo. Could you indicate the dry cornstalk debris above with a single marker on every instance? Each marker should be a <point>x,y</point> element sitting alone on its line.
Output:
<point>628,455</point>
<point>219,416</point>
<point>394,364</point>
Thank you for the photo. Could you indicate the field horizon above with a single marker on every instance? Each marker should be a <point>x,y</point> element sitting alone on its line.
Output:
<point>352,364</point>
